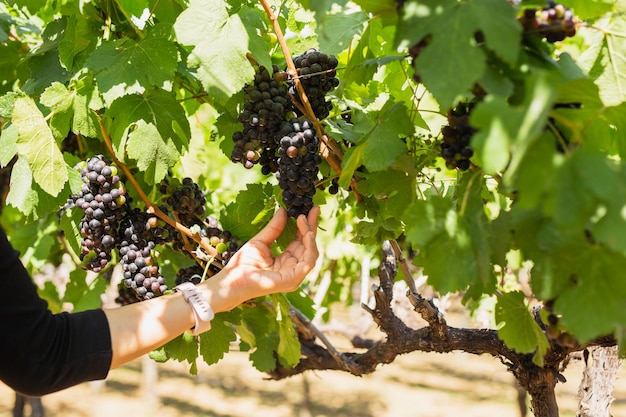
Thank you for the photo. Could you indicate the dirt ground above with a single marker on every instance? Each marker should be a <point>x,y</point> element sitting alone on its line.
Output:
<point>418,384</point>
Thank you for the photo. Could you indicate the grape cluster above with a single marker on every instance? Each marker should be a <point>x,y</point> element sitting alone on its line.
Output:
<point>317,73</point>
<point>186,201</point>
<point>126,295</point>
<point>139,234</point>
<point>457,134</point>
<point>334,186</point>
<point>191,274</point>
<point>265,106</point>
<point>298,164</point>
<point>555,22</point>
<point>223,241</point>
<point>103,200</point>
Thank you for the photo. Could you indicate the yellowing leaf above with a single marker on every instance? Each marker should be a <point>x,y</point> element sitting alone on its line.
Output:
<point>36,144</point>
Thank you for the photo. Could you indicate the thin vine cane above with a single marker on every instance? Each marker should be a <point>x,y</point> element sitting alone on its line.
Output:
<point>151,207</point>
<point>328,148</point>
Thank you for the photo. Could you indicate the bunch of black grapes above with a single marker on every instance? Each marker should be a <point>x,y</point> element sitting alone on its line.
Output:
<point>139,235</point>
<point>298,166</point>
<point>191,274</point>
<point>553,22</point>
<point>186,199</point>
<point>266,104</point>
<point>457,134</point>
<point>126,295</point>
<point>317,73</point>
<point>187,203</point>
<point>103,201</point>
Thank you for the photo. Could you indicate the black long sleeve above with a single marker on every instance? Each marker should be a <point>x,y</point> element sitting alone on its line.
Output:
<point>42,352</point>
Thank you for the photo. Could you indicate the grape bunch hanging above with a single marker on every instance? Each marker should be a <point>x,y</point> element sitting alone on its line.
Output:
<point>270,103</point>
<point>457,134</point>
<point>298,164</point>
<point>103,201</point>
<point>110,224</point>
<point>554,22</point>
<point>138,239</point>
<point>266,103</point>
<point>317,73</point>
<point>186,202</point>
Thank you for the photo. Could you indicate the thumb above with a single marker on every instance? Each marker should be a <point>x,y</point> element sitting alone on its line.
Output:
<point>273,229</point>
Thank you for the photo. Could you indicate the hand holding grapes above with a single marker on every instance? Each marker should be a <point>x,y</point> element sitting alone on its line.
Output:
<point>255,271</point>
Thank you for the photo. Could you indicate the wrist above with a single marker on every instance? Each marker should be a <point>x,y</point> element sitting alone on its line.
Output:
<point>200,307</point>
<point>222,290</point>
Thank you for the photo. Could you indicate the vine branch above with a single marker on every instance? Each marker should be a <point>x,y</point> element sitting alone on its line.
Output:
<point>328,147</point>
<point>151,207</point>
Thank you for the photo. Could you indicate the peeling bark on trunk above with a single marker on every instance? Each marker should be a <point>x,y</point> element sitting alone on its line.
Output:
<point>596,387</point>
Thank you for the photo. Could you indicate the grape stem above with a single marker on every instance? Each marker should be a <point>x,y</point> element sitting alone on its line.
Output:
<point>328,146</point>
<point>151,207</point>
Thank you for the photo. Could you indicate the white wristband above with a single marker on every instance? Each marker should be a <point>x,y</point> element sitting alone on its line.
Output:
<point>202,312</point>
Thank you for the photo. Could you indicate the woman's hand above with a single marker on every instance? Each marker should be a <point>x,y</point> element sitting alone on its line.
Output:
<point>254,270</point>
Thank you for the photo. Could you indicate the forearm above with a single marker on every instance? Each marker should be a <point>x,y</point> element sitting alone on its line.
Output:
<point>139,328</point>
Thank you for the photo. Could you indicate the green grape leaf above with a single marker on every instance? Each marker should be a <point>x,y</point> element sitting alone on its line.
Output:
<point>386,9</point>
<point>84,295</point>
<point>289,346</point>
<point>181,348</point>
<point>125,66</point>
<point>475,222</point>
<point>453,26</point>
<point>492,143</point>
<point>592,122</point>
<point>335,31</point>
<point>50,293</point>
<point>596,304</point>
<point>261,322</point>
<point>383,144</point>
<point>352,160</point>
<point>610,228</point>
<point>426,219</point>
<point>153,129</point>
<point>73,107</point>
<point>134,7</point>
<point>153,156</point>
<point>302,301</point>
<point>527,123</point>
<point>250,211</point>
<point>517,328</point>
<point>8,144</point>
<point>604,61</point>
<point>21,194</point>
<point>263,357</point>
<point>37,145</point>
<point>220,43</point>
<point>74,41</point>
<point>254,20</point>
<point>442,232</point>
<point>70,225</point>
<point>216,342</point>
<point>586,9</point>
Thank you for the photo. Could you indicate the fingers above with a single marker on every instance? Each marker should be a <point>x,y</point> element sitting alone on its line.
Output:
<point>273,229</point>
<point>308,231</point>
<point>309,223</point>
